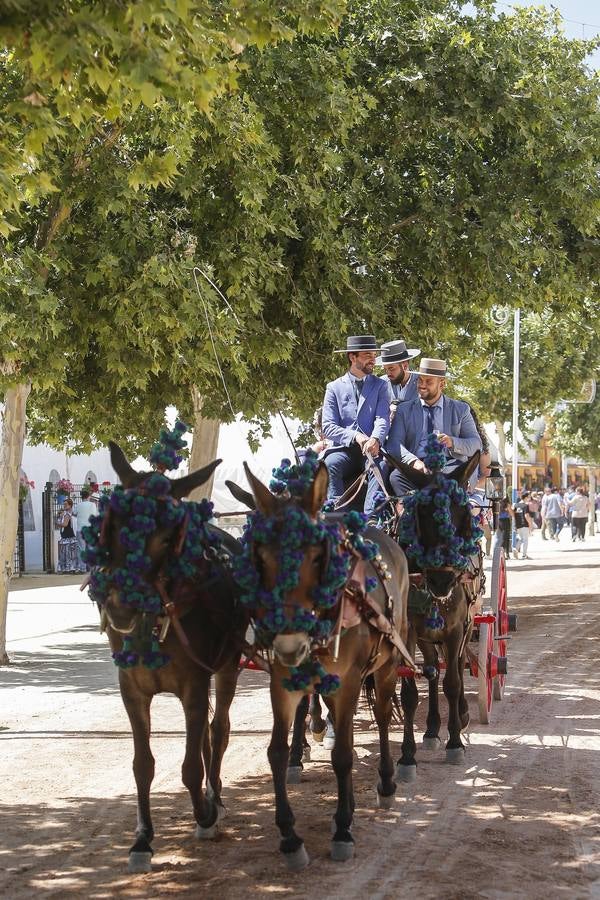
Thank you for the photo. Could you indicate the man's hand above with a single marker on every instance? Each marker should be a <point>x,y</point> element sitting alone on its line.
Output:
<point>371,445</point>
<point>420,466</point>
<point>446,440</point>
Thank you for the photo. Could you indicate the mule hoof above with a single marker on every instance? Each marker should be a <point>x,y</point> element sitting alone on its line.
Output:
<point>294,775</point>
<point>455,756</point>
<point>386,802</point>
<point>207,834</point>
<point>306,754</point>
<point>221,812</point>
<point>297,860</point>
<point>341,851</point>
<point>319,735</point>
<point>431,743</point>
<point>406,773</point>
<point>139,863</point>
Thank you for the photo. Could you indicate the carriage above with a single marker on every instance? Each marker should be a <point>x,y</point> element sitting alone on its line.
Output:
<point>487,651</point>
<point>159,559</point>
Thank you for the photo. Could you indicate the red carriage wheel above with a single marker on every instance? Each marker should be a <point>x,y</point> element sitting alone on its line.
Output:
<point>498,600</point>
<point>485,680</point>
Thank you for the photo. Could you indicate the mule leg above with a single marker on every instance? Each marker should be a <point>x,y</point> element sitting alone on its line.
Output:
<point>225,685</point>
<point>406,770</point>
<point>295,766</point>
<point>318,725</point>
<point>463,703</point>
<point>344,704</point>
<point>284,705</point>
<point>137,706</point>
<point>386,679</point>
<point>195,706</point>
<point>452,690</point>
<point>431,738</point>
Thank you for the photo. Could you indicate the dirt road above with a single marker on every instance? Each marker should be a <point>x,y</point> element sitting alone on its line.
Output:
<point>520,819</point>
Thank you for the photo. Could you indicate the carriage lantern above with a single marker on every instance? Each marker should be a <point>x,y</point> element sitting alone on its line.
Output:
<point>495,483</point>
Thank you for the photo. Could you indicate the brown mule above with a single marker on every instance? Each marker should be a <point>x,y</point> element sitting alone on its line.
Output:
<point>206,635</point>
<point>455,592</point>
<point>362,650</point>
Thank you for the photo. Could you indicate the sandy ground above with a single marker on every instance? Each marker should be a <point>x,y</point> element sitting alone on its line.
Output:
<point>519,819</point>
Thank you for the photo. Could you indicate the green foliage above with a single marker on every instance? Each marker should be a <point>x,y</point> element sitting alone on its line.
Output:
<point>575,430</point>
<point>399,176</point>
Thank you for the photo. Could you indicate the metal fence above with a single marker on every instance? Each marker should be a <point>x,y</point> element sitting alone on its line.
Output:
<point>18,566</point>
<point>52,506</point>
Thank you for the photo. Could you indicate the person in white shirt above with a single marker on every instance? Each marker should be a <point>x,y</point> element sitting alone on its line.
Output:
<point>85,510</point>
<point>580,507</point>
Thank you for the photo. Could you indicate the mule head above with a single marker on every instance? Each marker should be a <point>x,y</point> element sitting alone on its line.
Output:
<point>180,487</point>
<point>440,580</point>
<point>291,648</point>
<point>158,542</point>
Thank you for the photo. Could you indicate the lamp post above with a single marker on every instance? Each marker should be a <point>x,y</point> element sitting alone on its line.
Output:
<point>515,409</point>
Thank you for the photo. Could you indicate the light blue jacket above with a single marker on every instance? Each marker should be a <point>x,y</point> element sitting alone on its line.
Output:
<point>343,418</point>
<point>406,393</point>
<point>407,428</point>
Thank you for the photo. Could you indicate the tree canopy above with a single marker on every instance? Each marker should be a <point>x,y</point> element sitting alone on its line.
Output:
<point>402,175</point>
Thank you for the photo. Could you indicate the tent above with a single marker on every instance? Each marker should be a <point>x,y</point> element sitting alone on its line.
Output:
<point>234,450</point>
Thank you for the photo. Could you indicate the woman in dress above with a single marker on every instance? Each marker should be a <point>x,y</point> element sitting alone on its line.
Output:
<point>68,560</point>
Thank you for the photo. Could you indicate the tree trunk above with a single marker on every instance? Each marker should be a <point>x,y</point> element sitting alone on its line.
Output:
<point>592,499</point>
<point>204,446</point>
<point>11,456</point>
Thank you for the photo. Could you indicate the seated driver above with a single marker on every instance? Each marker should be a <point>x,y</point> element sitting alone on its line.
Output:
<point>432,411</point>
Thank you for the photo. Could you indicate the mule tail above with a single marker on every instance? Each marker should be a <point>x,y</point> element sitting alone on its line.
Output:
<point>370,695</point>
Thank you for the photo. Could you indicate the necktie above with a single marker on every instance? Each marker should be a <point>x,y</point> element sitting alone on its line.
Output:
<point>358,386</point>
<point>430,415</point>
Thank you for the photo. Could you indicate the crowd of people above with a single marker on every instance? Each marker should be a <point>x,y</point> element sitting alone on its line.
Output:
<point>551,511</point>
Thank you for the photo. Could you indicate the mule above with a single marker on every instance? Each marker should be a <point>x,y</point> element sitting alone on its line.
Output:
<point>361,650</point>
<point>452,590</point>
<point>203,628</point>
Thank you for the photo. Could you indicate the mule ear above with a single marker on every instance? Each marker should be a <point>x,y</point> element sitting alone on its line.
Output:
<point>265,500</point>
<point>316,494</point>
<point>240,494</point>
<point>127,474</point>
<point>181,487</point>
<point>463,473</point>
<point>415,476</point>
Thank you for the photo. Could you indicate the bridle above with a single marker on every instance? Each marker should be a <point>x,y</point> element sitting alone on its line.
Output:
<point>169,611</point>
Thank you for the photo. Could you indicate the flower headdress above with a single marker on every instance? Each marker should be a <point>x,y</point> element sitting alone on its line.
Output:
<point>144,509</point>
<point>292,529</point>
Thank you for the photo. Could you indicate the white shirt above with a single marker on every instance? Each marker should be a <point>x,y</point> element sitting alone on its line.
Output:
<point>85,510</point>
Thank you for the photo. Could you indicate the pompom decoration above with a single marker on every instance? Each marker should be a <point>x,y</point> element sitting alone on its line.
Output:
<point>453,550</point>
<point>294,480</point>
<point>142,511</point>
<point>292,531</point>
<point>435,619</point>
<point>165,454</point>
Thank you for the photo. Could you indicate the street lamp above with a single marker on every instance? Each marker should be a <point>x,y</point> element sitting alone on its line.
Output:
<point>495,490</point>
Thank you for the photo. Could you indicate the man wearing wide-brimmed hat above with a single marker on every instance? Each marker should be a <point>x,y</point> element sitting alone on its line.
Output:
<point>356,412</point>
<point>431,412</point>
<point>395,358</point>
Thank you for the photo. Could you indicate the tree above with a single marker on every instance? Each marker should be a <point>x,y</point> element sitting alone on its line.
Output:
<point>574,430</point>
<point>400,176</point>
<point>99,106</point>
